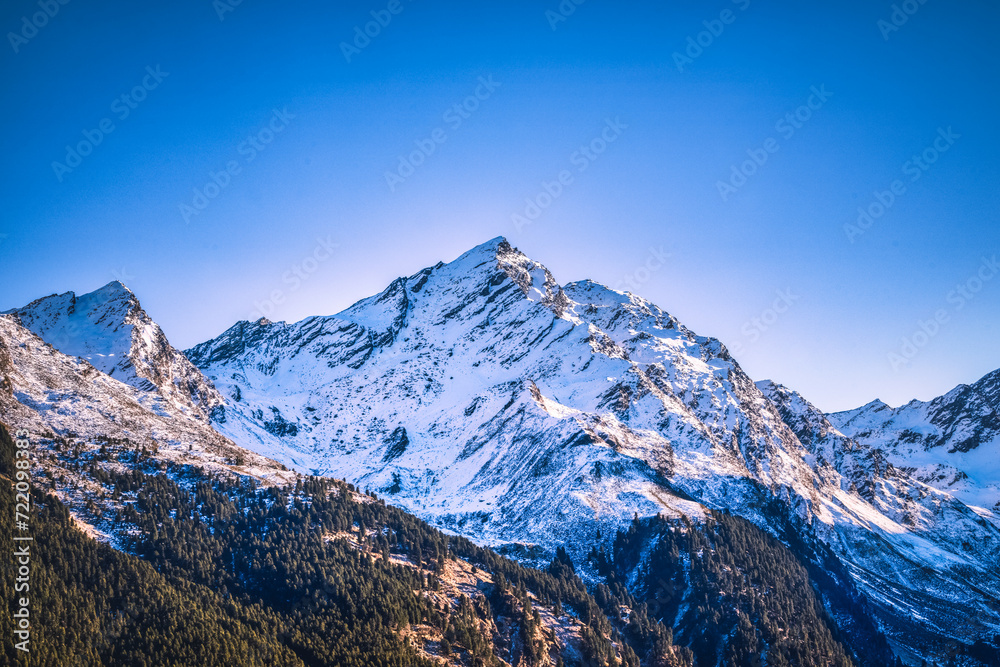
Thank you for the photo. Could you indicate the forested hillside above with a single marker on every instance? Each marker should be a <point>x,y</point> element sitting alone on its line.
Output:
<point>91,605</point>
<point>736,595</point>
<point>228,572</point>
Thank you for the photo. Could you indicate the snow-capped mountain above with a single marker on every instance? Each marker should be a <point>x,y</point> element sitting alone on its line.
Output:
<point>490,400</point>
<point>441,391</point>
<point>109,329</point>
<point>951,443</point>
<point>458,387</point>
<point>486,398</point>
<point>916,553</point>
<point>56,396</point>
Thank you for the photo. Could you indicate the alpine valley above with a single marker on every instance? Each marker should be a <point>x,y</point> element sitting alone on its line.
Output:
<point>481,466</point>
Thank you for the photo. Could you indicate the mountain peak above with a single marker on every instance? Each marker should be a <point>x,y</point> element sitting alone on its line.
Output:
<point>496,241</point>
<point>484,254</point>
<point>95,326</point>
<point>110,330</point>
<point>114,288</point>
<point>117,300</point>
<point>779,393</point>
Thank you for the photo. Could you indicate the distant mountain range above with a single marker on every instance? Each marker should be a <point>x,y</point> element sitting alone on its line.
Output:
<point>491,401</point>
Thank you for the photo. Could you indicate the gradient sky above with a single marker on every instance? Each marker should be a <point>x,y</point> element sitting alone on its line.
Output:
<point>117,214</point>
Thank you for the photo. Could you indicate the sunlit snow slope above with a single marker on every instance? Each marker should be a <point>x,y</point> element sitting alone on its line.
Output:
<point>110,330</point>
<point>486,398</point>
<point>952,442</point>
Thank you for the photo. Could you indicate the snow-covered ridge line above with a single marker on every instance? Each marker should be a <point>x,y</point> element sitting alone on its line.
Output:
<point>110,330</point>
<point>490,400</point>
<point>57,397</point>
<point>951,442</point>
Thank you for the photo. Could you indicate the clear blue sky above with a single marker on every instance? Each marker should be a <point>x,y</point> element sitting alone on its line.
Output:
<point>343,125</point>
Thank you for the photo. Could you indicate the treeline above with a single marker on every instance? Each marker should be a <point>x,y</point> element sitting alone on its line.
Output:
<point>226,572</point>
<point>93,606</point>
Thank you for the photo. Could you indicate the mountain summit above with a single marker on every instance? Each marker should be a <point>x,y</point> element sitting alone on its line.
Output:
<point>490,400</point>
<point>539,418</point>
<point>110,330</point>
<point>951,443</point>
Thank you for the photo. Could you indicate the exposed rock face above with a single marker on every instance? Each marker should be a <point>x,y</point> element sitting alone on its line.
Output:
<point>535,413</point>
<point>486,398</point>
<point>110,330</point>
<point>951,443</point>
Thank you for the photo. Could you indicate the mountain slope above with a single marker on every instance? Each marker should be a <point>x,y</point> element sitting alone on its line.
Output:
<point>109,329</point>
<point>92,606</point>
<point>56,397</point>
<point>488,399</point>
<point>317,573</point>
<point>933,554</point>
<point>951,443</point>
<point>300,597</point>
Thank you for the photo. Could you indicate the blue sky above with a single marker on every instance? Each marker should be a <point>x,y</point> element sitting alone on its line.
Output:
<point>289,142</point>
